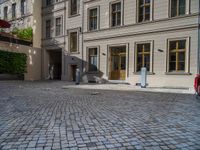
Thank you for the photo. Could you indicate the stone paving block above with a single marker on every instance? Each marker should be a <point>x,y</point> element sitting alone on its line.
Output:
<point>74,119</point>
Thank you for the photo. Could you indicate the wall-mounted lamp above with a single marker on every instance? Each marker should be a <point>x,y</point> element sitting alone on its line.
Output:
<point>160,50</point>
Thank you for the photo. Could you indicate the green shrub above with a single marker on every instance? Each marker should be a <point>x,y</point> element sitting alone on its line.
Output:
<point>24,34</point>
<point>12,63</point>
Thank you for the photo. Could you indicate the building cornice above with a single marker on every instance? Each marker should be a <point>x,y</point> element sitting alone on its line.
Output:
<point>155,31</point>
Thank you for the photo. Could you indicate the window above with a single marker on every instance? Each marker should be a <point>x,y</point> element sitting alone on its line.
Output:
<point>48,2</point>
<point>177,55</point>
<point>23,7</point>
<point>116,14</point>
<point>74,7</point>
<point>143,56</point>
<point>58,26</point>
<point>5,11</point>
<point>93,19</point>
<point>144,10</point>
<point>92,59</point>
<point>13,10</point>
<point>178,7</point>
<point>48,28</point>
<point>73,40</point>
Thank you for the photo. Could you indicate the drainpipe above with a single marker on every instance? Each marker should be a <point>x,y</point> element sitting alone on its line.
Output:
<point>63,51</point>
<point>198,60</point>
<point>82,30</point>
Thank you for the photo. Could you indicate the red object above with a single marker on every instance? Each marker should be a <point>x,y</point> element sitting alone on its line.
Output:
<point>197,82</point>
<point>4,24</point>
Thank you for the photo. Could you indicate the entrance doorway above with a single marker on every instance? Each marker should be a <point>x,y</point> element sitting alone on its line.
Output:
<point>117,63</point>
<point>73,72</point>
<point>55,60</point>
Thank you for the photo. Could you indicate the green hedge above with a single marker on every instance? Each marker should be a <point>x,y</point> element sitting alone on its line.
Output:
<point>12,63</point>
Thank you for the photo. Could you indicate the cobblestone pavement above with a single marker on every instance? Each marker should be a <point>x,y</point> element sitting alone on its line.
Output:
<point>42,115</point>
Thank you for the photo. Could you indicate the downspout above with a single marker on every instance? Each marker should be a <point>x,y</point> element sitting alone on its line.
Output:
<point>63,53</point>
<point>82,30</point>
<point>198,59</point>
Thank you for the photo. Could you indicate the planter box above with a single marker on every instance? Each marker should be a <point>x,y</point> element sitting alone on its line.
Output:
<point>11,77</point>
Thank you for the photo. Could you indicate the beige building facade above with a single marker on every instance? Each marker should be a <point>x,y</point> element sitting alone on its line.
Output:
<point>110,40</point>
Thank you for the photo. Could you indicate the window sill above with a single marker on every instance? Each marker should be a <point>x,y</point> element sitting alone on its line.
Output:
<point>58,36</point>
<point>90,31</point>
<point>139,73</point>
<point>143,22</point>
<point>177,73</point>
<point>113,27</point>
<point>71,16</point>
<point>92,72</point>
<point>74,53</point>
<point>179,16</point>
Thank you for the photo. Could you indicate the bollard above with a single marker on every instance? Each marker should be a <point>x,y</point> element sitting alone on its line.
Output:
<point>78,76</point>
<point>143,77</point>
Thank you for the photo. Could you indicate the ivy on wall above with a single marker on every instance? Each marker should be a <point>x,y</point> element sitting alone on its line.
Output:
<point>13,63</point>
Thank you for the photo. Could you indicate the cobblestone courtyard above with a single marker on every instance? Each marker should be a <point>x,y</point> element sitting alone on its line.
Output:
<point>42,115</point>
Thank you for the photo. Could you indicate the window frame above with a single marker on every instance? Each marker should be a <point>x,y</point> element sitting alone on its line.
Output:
<point>187,9</point>
<point>70,11</point>
<point>151,42</point>
<point>187,56</point>
<point>14,12</point>
<point>61,26</point>
<point>48,2</point>
<point>122,13</point>
<point>5,13</point>
<point>151,12</point>
<point>50,35</point>
<point>98,59</point>
<point>23,9</point>
<point>69,40</point>
<point>98,18</point>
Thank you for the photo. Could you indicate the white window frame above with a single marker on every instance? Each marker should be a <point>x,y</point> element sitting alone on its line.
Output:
<point>187,7</point>
<point>122,13</point>
<point>98,18</point>
<point>61,30</point>
<point>98,58</point>
<point>77,11</point>
<point>151,11</point>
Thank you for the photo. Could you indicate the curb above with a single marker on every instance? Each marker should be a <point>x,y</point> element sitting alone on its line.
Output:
<point>121,88</point>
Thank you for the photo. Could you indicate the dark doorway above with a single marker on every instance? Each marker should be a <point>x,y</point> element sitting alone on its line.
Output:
<point>73,72</point>
<point>55,60</point>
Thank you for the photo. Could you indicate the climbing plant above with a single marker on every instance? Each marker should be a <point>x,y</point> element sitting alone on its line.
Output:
<point>12,63</point>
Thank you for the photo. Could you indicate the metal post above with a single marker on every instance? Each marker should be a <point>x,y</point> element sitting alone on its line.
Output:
<point>143,77</point>
<point>78,76</point>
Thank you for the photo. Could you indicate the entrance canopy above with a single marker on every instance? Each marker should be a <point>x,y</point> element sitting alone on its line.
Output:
<point>4,24</point>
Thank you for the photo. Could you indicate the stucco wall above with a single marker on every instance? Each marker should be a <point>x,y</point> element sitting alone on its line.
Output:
<point>33,59</point>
